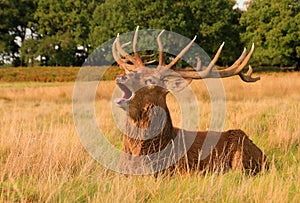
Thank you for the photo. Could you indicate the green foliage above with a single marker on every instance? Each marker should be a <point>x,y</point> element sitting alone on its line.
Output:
<point>29,51</point>
<point>65,32</point>
<point>213,21</point>
<point>122,16</point>
<point>57,17</point>
<point>62,27</point>
<point>14,18</point>
<point>274,27</point>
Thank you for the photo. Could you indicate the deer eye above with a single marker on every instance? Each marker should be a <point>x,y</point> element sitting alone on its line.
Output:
<point>124,77</point>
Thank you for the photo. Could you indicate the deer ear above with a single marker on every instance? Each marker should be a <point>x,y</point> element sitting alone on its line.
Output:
<point>175,82</point>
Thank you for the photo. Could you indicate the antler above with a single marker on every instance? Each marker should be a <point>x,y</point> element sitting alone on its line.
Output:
<point>136,61</point>
<point>207,72</point>
<point>234,69</point>
<point>200,72</point>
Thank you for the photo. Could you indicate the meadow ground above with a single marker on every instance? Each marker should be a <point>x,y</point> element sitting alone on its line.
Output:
<point>42,159</point>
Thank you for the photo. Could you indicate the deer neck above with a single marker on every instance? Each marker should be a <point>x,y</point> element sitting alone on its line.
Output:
<point>149,126</point>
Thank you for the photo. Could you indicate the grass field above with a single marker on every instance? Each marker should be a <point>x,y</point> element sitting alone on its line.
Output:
<point>48,74</point>
<point>42,160</point>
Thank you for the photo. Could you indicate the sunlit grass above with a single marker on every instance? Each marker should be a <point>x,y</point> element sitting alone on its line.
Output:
<point>42,159</point>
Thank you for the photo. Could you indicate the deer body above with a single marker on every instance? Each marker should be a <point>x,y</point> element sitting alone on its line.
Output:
<point>233,150</point>
<point>149,127</point>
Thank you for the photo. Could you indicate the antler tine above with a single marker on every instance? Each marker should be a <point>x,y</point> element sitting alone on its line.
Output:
<point>121,62</point>
<point>118,52</point>
<point>179,56</point>
<point>216,57</point>
<point>149,62</point>
<point>160,48</point>
<point>121,50</point>
<point>125,44</point>
<point>138,60</point>
<point>116,56</point>
<point>248,76</point>
<point>204,73</point>
<point>235,69</point>
<point>245,61</point>
<point>238,65</point>
<point>230,70</point>
<point>147,56</point>
<point>199,64</point>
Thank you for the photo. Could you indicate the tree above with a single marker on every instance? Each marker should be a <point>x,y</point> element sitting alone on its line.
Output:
<point>274,27</point>
<point>122,16</point>
<point>213,21</point>
<point>64,32</point>
<point>14,18</point>
<point>63,28</point>
<point>29,51</point>
<point>216,22</point>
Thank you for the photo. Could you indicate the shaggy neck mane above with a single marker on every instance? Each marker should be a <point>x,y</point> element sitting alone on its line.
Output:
<point>149,126</point>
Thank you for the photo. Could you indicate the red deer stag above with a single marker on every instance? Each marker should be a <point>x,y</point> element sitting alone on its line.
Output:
<point>146,88</point>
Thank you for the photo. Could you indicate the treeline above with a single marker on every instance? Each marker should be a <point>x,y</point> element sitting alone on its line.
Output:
<point>65,32</point>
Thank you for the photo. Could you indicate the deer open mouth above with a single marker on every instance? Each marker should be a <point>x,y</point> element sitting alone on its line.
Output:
<point>127,93</point>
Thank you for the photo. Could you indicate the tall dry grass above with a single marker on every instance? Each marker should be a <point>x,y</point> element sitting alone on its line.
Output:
<point>42,160</point>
